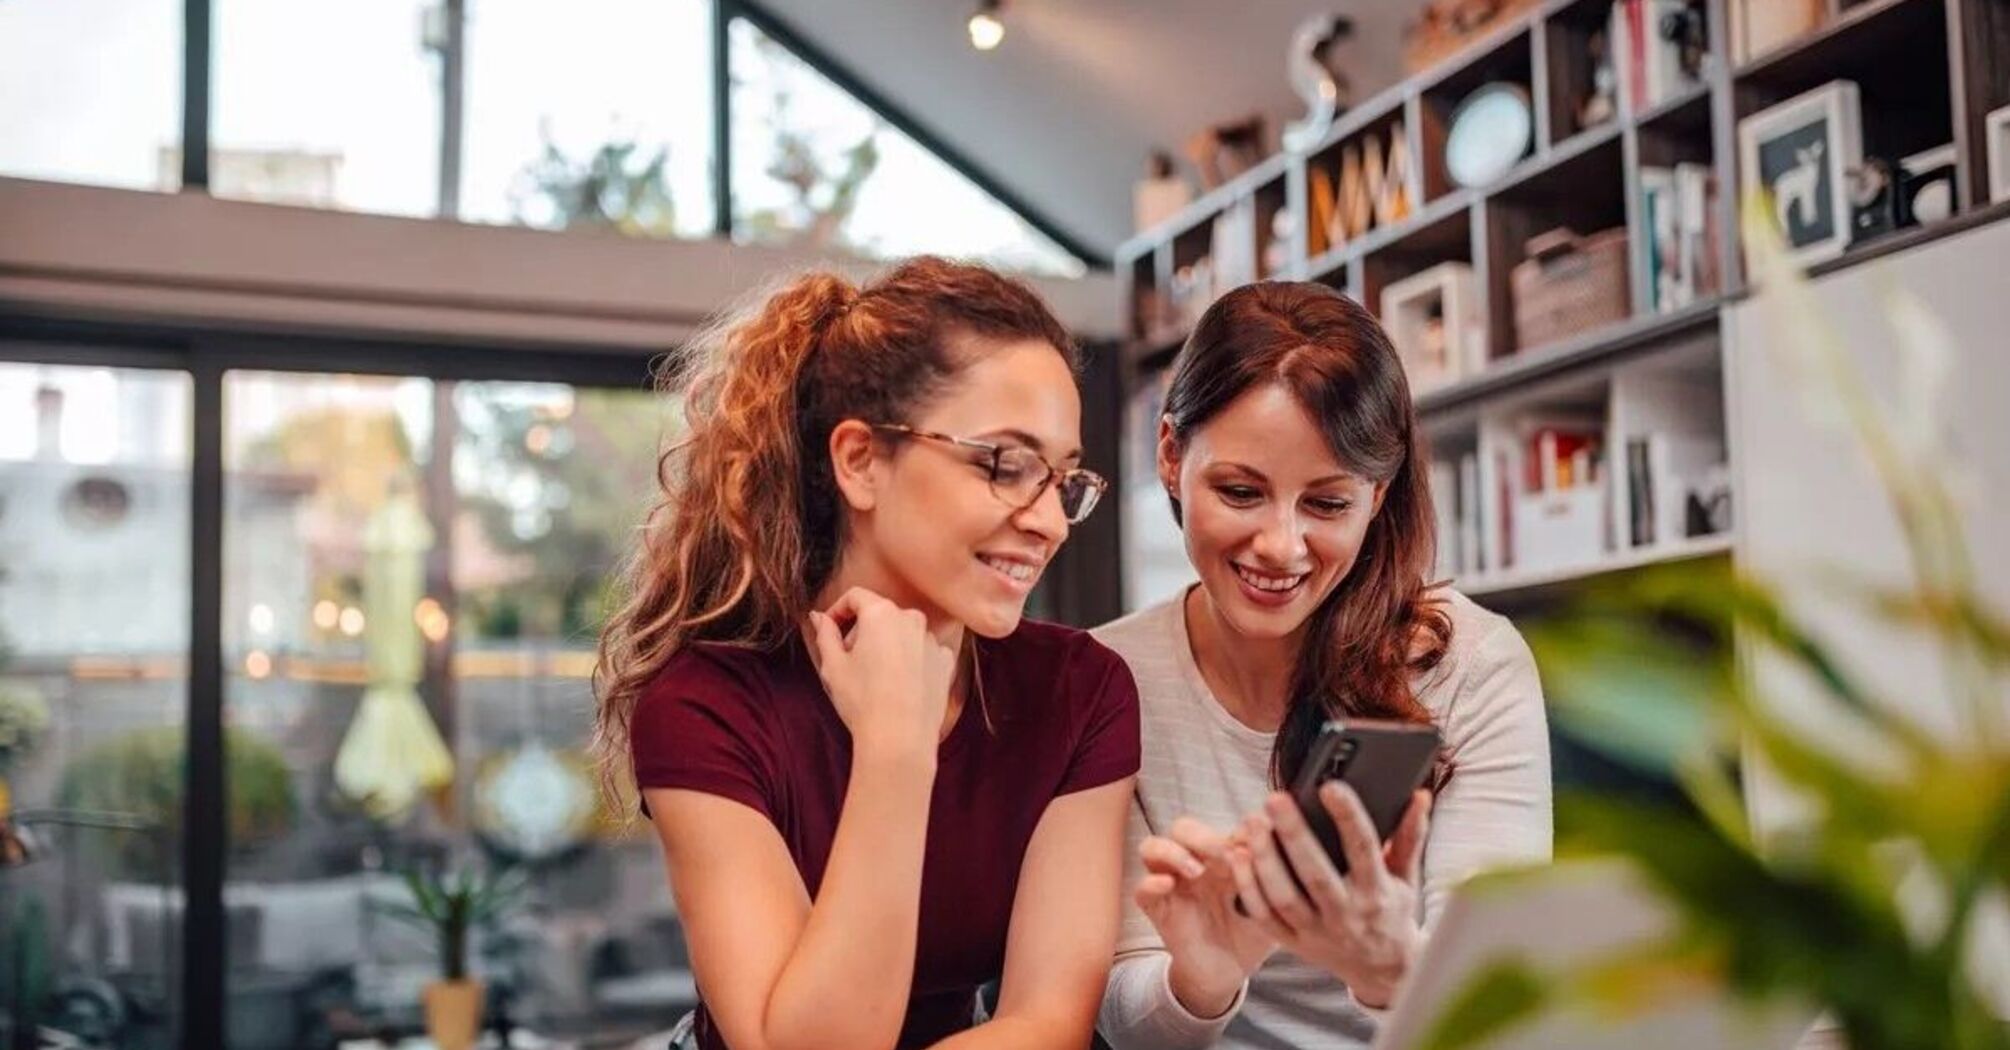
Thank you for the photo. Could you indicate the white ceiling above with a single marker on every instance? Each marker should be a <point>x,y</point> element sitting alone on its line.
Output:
<point>1065,111</point>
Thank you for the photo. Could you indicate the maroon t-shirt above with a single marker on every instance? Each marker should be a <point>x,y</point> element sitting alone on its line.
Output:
<point>758,728</point>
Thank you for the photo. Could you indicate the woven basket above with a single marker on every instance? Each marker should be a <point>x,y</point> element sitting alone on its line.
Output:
<point>1570,284</point>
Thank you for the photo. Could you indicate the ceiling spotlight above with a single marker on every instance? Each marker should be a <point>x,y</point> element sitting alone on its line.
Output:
<point>986,31</point>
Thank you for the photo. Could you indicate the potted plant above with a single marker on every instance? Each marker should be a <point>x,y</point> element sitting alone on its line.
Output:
<point>141,773</point>
<point>1879,904</point>
<point>450,905</point>
<point>23,719</point>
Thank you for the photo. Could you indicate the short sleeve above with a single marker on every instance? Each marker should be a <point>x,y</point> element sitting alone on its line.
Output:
<point>699,727</point>
<point>1107,747</point>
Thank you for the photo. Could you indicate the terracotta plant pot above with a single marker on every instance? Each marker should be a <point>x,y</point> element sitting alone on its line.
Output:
<point>454,1013</point>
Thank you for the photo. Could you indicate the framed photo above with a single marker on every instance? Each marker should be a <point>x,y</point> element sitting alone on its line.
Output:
<point>1996,131</point>
<point>1799,153</point>
<point>1433,318</point>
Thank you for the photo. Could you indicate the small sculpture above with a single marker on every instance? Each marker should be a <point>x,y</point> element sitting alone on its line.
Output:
<point>1314,68</point>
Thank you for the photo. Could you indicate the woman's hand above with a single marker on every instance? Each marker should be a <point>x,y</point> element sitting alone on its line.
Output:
<point>886,674</point>
<point>1188,893</point>
<point>1361,926</point>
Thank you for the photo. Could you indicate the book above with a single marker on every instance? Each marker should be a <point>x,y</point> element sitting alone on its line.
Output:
<point>1639,493</point>
<point>1696,196</point>
<point>1651,64</point>
<point>1469,512</point>
<point>1662,468</point>
<point>1445,508</point>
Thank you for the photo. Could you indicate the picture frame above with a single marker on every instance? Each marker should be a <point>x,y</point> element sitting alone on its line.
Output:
<point>1996,133</point>
<point>1800,153</point>
<point>1433,318</point>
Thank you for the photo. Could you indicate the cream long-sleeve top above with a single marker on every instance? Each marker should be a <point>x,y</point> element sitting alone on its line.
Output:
<point>1199,761</point>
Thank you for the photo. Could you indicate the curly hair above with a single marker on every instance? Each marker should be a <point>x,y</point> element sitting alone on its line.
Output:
<point>747,525</point>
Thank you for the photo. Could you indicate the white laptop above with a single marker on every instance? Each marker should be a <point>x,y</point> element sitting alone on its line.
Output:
<point>1569,915</point>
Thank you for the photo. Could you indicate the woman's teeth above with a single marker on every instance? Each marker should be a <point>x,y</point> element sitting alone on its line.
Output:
<point>1017,570</point>
<point>1268,583</point>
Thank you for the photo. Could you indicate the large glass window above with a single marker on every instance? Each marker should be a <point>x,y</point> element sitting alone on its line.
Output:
<point>327,104</point>
<point>814,166</point>
<point>94,599</point>
<point>90,91</point>
<point>415,575</point>
<point>593,115</point>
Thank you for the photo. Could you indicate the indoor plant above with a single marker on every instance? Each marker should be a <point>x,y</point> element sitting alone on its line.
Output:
<point>24,717</point>
<point>141,773</point>
<point>450,905</point>
<point>1878,901</point>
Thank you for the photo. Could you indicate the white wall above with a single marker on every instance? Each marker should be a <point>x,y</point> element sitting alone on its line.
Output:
<point>1809,502</point>
<point>125,253</point>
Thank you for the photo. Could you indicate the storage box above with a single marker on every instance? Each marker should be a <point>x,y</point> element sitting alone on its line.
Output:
<point>1555,530</point>
<point>1570,284</point>
<point>1434,320</point>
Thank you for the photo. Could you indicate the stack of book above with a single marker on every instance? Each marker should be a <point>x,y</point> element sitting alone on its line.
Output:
<point>1664,473</point>
<point>1559,516</point>
<point>1679,214</point>
<point>1649,51</point>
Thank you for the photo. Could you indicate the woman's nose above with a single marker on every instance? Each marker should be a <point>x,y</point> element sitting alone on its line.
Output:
<point>1281,540</point>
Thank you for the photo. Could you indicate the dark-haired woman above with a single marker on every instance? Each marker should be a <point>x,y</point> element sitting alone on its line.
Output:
<point>1290,452</point>
<point>877,788</point>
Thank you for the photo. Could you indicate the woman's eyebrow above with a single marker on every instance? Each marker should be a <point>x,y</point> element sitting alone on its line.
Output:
<point>1330,479</point>
<point>1024,438</point>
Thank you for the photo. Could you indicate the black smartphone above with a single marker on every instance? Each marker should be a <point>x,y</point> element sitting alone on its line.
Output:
<point>1384,762</point>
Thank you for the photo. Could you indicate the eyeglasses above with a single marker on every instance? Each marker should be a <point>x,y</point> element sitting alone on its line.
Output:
<point>1019,476</point>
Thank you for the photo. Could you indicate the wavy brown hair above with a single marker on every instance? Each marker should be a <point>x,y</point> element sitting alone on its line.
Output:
<point>747,525</point>
<point>1380,626</point>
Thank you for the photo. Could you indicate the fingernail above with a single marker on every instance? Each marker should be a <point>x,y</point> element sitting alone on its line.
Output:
<point>1194,869</point>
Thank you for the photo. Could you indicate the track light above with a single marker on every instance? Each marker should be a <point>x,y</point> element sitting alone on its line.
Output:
<point>986,31</point>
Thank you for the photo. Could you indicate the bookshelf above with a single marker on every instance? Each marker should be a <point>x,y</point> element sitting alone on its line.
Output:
<point>1929,72</point>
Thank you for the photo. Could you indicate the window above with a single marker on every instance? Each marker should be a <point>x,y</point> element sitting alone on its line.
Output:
<point>327,104</point>
<point>415,577</point>
<point>90,91</point>
<point>594,115</point>
<point>814,166</point>
<point>94,599</point>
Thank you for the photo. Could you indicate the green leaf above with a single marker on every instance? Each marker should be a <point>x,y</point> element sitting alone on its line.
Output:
<point>1502,997</point>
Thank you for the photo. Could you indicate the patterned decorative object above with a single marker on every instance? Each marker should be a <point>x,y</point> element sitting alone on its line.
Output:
<point>535,803</point>
<point>1445,26</point>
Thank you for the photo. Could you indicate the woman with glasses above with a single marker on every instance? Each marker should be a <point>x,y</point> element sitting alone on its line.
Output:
<point>877,787</point>
<point>1290,453</point>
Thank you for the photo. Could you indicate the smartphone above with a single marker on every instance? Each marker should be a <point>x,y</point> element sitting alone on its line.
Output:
<point>1384,762</point>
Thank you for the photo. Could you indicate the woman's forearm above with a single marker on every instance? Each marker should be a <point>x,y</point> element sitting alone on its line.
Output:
<point>846,984</point>
<point>1140,1011</point>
